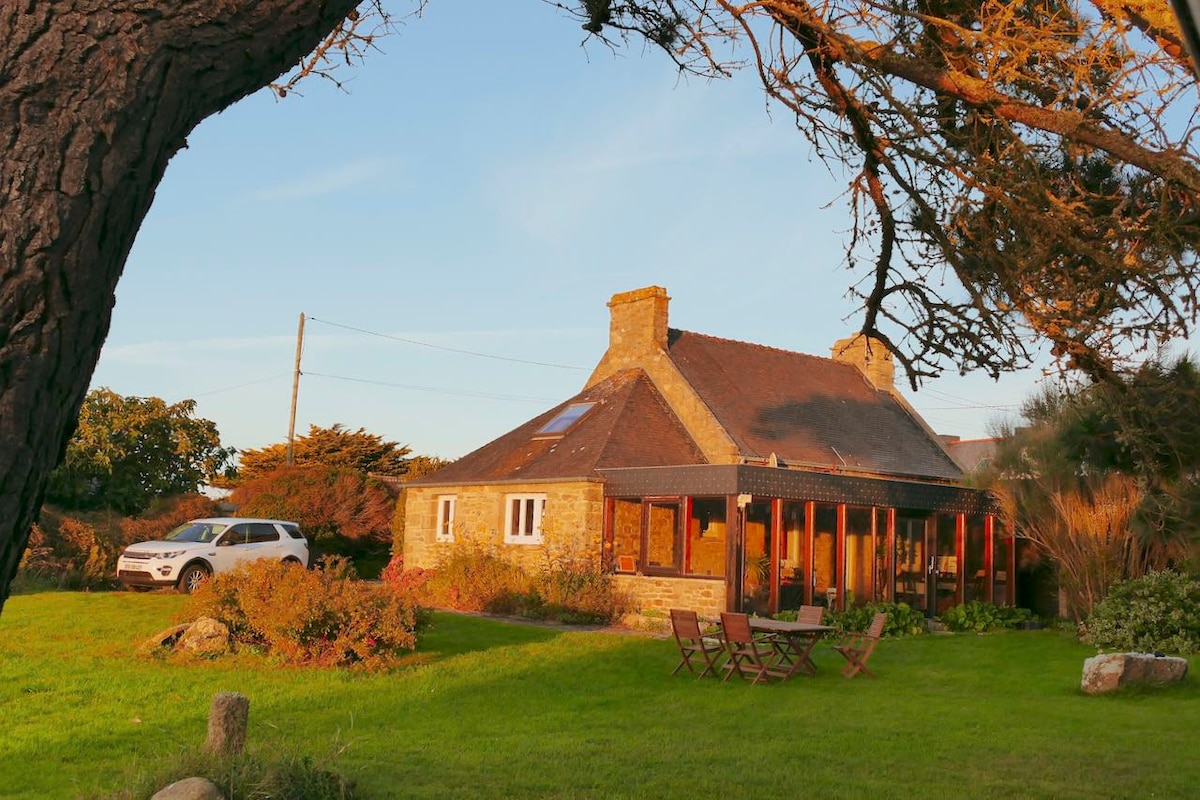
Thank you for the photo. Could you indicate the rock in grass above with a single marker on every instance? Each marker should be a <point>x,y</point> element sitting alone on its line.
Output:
<point>190,789</point>
<point>166,638</point>
<point>205,636</point>
<point>1110,671</point>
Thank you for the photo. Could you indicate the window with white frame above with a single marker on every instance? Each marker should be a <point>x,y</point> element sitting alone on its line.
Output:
<point>523,518</point>
<point>445,517</point>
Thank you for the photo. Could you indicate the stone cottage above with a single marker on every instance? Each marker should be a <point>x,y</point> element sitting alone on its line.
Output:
<point>721,475</point>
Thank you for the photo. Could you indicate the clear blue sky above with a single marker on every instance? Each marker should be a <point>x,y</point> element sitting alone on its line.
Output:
<point>486,185</point>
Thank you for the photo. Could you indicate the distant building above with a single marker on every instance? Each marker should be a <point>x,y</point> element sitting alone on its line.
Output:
<point>971,455</point>
<point>722,475</point>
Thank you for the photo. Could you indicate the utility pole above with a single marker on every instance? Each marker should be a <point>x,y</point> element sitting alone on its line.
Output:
<point>295,392</point>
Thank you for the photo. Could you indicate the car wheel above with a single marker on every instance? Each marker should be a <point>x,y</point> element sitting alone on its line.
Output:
<point>292,560</point>
<point>191,578</point>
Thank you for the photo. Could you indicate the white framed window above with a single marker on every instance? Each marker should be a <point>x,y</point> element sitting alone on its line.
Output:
<point>523,518</point>
<point>445,517</point>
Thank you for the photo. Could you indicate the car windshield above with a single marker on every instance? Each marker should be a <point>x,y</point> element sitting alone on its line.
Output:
<point>195,532</point>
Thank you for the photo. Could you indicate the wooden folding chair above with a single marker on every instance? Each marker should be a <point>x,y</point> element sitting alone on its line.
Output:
<point>747,656</point>
<point>811,615</point>
<point>857,647</point>
<point>693,644</point>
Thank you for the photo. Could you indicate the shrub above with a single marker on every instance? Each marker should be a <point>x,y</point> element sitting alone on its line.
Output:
<point>903,620</point>
<point>260,773</point>
<point>1159,611</point>
<point>978,617</point>
<point>320,617</point>
<point>469,579</point>
<point>409,582</point>
<point>474,574</point>
<point>577,597</point>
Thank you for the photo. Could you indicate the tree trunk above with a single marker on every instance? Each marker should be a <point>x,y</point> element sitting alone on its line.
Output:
<point>95,98</point>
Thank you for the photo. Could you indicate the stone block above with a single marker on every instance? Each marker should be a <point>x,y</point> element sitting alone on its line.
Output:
<point>205,636</point>
<point>1108,672</point>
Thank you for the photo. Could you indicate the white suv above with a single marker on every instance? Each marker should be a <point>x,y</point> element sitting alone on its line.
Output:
<point>188,555</point>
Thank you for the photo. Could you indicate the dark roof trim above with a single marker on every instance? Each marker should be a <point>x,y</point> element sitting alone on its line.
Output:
<point>847,471</point>
<point>500,482</point>
<point>731,479</point>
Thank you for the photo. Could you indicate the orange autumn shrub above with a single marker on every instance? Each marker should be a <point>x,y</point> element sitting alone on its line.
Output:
<point>321,617</point>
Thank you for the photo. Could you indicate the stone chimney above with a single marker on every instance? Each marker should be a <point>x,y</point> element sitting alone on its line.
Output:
<point>870,356</point>
<point>638,323</point>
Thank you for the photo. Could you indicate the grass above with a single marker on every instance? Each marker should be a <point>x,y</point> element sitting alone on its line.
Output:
<point>496,709</point>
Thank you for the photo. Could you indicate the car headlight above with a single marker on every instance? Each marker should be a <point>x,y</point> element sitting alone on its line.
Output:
<point>170,554</point>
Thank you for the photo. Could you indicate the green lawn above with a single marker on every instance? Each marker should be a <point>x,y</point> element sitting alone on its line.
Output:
<point>495,709</point>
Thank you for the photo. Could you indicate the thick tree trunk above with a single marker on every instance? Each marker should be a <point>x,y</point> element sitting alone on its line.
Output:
<point>95,98</point>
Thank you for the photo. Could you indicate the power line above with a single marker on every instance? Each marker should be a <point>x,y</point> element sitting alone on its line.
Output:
<point>971,408</point>
<point>447,349</point>
<point>243,385</point>
<point>966,403</point>
<point>435,390</point>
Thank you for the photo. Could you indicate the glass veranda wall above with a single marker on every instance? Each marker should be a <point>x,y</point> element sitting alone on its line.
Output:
<point>778,554</point>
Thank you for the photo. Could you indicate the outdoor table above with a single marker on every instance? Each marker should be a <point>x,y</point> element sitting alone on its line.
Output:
<point>793,642</point>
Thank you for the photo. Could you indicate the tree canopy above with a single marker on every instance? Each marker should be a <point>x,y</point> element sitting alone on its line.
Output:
<point>1018,171</point>
<point>331,447</point>
<point>331,504</point>
<point>128,451</point>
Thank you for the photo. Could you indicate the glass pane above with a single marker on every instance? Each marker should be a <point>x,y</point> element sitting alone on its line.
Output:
<point>910,562</point>
<point>860,557</point>
<point>706,537</point>
<point>883,571</point>
<point>1000,563</point>
<point>514,523</point>
<point>792,554</point>
<point>662,536</point>
<point>566,418</point>
<point>975,555</point>
<point>627,534</point>
<point>756,571</point>
<point>527,522</point>
<point>824,568</point>
<point>946,563</point>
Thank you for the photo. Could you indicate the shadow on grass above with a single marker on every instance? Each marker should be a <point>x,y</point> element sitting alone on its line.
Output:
<point>452,634</point>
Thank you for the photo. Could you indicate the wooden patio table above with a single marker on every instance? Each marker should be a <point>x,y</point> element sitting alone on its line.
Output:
<point>793,642</point>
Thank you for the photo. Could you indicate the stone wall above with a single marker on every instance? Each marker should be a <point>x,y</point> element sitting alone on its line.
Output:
<point>571,524</point>
<point>705,596</point>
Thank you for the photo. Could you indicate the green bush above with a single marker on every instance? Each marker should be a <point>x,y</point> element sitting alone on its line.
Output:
<point>319,617</point>
<point>977,617</point>
<point>1159,612</point>
<point>902,620</point>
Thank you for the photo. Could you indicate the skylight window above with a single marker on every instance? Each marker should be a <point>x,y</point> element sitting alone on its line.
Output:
<point>564,419</point>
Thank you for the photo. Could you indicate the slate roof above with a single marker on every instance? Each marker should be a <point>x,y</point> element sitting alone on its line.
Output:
<point>810,411</point>
<point>630,426</point>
